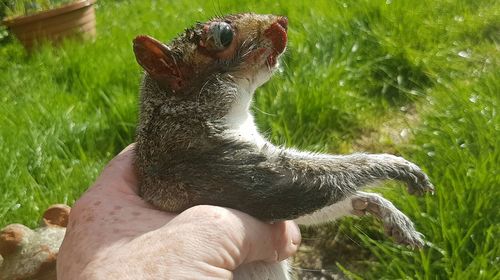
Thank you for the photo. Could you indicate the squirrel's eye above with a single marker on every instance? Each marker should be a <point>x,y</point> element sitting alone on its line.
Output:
<point>222,34</point>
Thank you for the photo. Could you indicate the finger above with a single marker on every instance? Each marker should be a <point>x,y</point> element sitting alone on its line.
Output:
<point>120,174</point>
<point>128,148</point>
<point>283,239</point>
<point>227,238</point>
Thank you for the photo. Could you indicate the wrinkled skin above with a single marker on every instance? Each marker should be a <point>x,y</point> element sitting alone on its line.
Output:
<point>114,234</point>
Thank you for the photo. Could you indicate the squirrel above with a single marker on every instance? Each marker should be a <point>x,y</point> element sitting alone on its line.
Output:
<point>197,142</point>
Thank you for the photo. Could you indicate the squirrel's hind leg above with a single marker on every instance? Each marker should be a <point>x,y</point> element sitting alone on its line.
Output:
<point>396,224</point>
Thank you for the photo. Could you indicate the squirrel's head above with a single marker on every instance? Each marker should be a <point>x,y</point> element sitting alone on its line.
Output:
<point>239,47</point>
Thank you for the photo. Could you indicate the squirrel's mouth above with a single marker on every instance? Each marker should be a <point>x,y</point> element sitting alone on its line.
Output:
<point>276,33</point>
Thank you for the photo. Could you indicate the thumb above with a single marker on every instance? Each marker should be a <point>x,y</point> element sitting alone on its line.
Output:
<point>227,238</point>
<point>272,242</point>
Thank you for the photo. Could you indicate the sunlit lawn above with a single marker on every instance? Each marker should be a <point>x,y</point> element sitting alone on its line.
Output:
<point>427,70</point>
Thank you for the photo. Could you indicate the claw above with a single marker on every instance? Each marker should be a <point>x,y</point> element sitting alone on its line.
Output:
<point>421,185</point>
<point>430,188</point>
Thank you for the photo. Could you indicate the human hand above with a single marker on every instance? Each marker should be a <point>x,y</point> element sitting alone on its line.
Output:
<point>113,234</point>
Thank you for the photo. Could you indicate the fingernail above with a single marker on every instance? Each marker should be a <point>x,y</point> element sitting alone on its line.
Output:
<point>295,234</point>
<point>131,146</point>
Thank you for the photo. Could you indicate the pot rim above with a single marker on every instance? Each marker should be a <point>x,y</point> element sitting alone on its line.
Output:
<point>20,20</point>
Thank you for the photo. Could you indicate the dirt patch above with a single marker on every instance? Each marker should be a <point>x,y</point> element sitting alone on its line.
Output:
<point>389,132</point>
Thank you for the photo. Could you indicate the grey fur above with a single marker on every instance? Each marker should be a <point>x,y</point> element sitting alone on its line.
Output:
<point>188,151</point>
<point>186,158</point>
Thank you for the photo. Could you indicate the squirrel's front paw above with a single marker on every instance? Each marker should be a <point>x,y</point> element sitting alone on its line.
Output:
<point>418,182</point>
<point>396,224</point>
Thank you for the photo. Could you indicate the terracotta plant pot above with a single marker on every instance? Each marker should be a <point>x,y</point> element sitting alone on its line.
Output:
<point>77,18</point>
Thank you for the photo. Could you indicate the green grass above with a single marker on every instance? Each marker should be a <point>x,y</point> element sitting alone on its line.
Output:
<point>350,67</point>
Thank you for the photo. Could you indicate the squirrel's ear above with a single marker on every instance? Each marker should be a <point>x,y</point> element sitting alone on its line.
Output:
<point>157,59</point>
